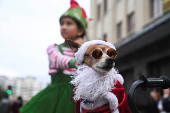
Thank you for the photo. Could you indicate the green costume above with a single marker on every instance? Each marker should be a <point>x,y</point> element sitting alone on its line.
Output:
<point>56,98</point>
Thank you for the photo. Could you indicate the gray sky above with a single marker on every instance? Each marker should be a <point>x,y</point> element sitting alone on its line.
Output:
<point>27,27</point>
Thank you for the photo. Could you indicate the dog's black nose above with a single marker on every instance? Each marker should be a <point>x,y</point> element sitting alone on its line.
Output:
<point>109,60</point>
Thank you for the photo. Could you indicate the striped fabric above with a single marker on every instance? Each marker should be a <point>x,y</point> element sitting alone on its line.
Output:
<point>59,61</point>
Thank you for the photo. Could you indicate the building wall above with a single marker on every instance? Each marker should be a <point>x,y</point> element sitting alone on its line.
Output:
<point>92,24</point>
<point>151,57</point>
<point>118,11</point>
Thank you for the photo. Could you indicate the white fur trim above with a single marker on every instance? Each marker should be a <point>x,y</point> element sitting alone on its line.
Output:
<point>90,85</point>
<point>79,55</point>
<point>120,79</point>
<point>113,100</point>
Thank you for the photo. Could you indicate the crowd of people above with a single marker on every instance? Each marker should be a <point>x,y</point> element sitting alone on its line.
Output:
<point>6,106</point>
<point>162,99</point>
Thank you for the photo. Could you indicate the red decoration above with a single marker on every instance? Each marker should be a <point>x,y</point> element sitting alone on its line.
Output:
<point>83,13</point>
<point>74,4</point>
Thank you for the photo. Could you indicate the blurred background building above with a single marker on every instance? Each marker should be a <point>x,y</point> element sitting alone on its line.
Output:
<point>140,30</point>
<point>25,87</point>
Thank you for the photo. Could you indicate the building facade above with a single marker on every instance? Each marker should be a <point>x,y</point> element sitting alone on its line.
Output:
<point>140,30</point>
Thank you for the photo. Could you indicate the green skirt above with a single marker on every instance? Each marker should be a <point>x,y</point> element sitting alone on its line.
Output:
<point>56,98</point>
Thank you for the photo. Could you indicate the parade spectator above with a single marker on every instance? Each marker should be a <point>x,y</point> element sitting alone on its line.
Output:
<point>166,104</point>
<point>166,100</point>
<point>16,105</point>
<point>5,104</point>
<point>166,93</point>
<point>157,95</point>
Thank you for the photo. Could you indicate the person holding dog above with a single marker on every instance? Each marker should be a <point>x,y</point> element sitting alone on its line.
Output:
<point>57,98</point>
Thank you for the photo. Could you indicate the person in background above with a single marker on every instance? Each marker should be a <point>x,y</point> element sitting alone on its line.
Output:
<point>157,95</point>
<point>56,98</point>
<point>5,104</point>
<point>144,102</point>
<point>166,93</point>
<point>166,104</point>
<point>16,105</point>
<point>166,100</point>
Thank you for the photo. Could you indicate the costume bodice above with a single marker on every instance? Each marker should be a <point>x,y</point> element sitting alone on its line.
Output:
<point>60,78</point>
<point>63,75</point>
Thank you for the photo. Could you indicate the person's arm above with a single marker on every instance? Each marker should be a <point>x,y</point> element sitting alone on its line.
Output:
<point>58,60</point>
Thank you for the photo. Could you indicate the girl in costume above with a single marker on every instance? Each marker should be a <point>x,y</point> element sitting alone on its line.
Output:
<point>57,98</point>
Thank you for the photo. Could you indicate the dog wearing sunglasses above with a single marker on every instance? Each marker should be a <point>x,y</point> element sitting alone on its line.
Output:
<point>98,86</point>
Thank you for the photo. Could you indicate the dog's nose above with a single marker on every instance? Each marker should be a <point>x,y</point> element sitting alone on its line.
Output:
<point>109,60</point>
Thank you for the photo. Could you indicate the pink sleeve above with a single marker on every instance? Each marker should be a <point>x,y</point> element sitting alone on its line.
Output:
<point>56,58</point>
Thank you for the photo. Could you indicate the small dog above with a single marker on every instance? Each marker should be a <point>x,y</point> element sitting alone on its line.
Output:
<point>96,77</point>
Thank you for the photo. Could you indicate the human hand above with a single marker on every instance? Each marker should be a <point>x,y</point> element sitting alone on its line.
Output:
<point>154,95</point>
<point>76,64</point>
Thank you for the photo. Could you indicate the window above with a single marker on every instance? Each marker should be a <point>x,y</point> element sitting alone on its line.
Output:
<point>105,37</point>
<point>98,12</point>
<point>151,8</point>
<point>156,8</point>
<point>105,6</point>
<point>159,67</point>
<point>119,30</point>
<point>131,22</point>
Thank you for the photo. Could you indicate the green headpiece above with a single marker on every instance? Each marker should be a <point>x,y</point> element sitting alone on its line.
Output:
<point>77,13</point>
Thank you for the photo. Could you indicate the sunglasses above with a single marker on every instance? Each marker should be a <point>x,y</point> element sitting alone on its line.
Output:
<point>97,53</point>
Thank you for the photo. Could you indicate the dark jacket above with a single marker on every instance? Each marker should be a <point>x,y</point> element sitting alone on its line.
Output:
<point>15,107</point>
<point>5,105</point>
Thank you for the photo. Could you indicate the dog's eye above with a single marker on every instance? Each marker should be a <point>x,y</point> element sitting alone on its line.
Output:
<point>97,54</point>
<point>112,53</point>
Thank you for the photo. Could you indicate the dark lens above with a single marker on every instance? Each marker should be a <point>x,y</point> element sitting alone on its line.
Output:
<point>112,53</point>
<point>97,54</point>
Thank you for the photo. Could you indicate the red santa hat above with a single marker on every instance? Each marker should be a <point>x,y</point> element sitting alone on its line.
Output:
<point>79,55</point>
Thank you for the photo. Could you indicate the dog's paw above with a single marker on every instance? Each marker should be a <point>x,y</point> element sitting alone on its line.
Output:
<point>112,99</point>
<point>113,105</point>
<point>116,111</point>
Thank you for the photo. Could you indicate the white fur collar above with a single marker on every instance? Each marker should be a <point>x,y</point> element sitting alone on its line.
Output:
<point>90,85</point>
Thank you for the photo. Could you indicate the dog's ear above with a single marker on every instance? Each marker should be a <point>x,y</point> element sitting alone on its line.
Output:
<point>74,46</point>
